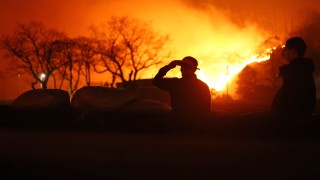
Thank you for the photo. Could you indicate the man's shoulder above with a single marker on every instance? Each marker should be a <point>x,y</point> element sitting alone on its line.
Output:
<point>301,61</point>
<point>303,65</point>
<point>203,83</point>
<point>199,84</point>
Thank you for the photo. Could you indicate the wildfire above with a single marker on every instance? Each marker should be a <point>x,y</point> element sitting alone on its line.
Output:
<point>219,80</point>
<point>218,74</point>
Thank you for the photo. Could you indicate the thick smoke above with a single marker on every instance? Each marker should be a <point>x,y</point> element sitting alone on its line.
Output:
<point>275,16</point>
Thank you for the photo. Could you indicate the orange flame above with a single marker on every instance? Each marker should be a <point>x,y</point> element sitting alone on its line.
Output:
<point>218,75</point>
<point>219,80</point>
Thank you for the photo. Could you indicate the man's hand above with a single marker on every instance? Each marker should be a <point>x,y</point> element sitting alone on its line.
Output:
<point>174,63</point>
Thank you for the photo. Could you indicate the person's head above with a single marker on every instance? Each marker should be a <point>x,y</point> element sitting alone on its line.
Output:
<point>295,47</point>
<point>189,66</point>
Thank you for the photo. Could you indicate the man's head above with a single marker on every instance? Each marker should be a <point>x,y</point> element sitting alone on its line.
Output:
<point>188,65</point>
<point>295,47</point>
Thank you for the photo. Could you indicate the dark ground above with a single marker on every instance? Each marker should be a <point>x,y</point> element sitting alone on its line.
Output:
<point>228,145</point>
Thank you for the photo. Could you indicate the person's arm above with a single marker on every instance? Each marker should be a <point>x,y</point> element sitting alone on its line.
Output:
<point>159,81</point>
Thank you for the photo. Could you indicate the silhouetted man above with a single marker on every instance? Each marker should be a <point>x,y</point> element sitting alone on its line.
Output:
<point>297,96</point>
<point>190,97</point>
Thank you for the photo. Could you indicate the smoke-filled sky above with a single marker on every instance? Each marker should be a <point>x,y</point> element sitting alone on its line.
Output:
<point>183,19</point>
<point>74,16</point>
<point>206,29</point>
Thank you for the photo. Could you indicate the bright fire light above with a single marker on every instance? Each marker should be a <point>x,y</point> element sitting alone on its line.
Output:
<point>231,70</point>
<point>218,74</point>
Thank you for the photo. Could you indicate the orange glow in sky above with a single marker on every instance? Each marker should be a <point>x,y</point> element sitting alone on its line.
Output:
<point>219,34</point>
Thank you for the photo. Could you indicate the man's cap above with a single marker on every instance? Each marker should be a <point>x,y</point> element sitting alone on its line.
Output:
<point>190,61</point>
<point>298,44</point>
<point>295,42</point>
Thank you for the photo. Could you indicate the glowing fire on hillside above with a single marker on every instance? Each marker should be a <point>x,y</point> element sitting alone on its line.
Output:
<point>218,77</point>
<point>219,82</point>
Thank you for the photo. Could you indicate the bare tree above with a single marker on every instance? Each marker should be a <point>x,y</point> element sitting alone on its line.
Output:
<point>78,56</point>
<point>32,46</point>
<point>87,56</point>
<point>128,47</point>
<point>68,54</point>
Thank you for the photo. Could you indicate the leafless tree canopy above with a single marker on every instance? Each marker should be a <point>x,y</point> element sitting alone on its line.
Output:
<point>78,56</point>
<point>32,45</point>
<point>127,47</point>
<point>122,47</point>
<point>67,54</point>
<point>87,56</point>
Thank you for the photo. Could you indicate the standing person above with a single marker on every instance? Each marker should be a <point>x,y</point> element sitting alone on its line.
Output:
<point>190,97</point>
<point>297,96</point>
